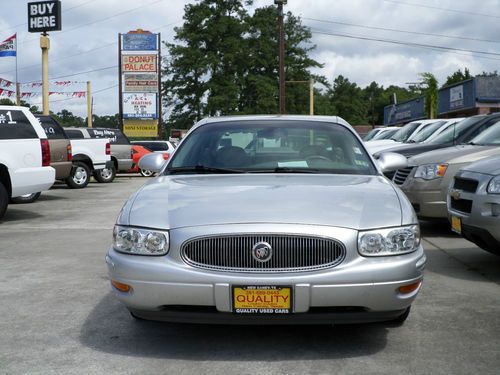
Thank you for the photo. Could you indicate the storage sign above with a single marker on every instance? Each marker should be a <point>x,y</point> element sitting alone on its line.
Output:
<point>44,16</point>
<point>139,105</point>
<point>139,63</point>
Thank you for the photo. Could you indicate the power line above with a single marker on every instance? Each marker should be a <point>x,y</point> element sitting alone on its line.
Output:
<point>402,31</point>
<point>97,21</point>
<point>411,44</point>
<point>85,52</point>
<point>443,9</point>
<point>63,11</point>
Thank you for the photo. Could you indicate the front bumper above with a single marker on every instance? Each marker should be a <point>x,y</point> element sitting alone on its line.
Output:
<point>358,290</point>
<point>428,197</point>
<point>482,224</point>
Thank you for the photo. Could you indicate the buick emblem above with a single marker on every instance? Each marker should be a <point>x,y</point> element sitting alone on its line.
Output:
<point>455,194</point>
<point>262,251</point>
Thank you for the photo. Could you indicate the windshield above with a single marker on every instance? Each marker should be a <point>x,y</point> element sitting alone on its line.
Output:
<point>404,133</point>
<point>266,146</point>
<point>386,134</point>
<point>490,136</point>
<point>372,133</point>
<point>154,146</point>
<point>455,131</point>
<point>426,132</point>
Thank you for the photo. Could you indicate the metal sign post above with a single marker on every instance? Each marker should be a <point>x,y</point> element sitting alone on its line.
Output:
<point>44,16</point>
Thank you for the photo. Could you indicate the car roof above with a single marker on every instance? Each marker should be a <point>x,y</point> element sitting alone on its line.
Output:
<point>334,119</point>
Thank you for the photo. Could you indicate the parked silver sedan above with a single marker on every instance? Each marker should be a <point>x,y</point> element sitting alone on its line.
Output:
<point>268,219</point>
<point>474,203</point>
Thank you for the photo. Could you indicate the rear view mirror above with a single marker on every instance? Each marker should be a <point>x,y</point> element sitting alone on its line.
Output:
<point>153,162</point>
<point>391,161</point>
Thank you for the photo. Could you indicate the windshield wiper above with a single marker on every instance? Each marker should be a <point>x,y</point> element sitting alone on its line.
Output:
<point>203,169</point>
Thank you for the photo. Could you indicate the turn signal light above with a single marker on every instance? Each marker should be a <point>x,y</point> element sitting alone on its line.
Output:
<point>121,287</point>
<point>409,288</point>
<point>108,149</point>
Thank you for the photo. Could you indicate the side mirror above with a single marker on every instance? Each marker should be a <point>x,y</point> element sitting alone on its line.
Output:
<point>391,161</point>
<point>153,162</point>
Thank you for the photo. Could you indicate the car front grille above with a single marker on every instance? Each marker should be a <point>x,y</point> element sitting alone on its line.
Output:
<point>401,175</point>
<point>462,205</point>
<point>290,253</point>
<point>466,184</point>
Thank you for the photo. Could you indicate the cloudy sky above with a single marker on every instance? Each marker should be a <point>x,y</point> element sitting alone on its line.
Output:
<point>86,48</point>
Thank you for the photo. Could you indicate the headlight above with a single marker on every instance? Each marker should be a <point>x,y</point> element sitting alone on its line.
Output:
<point>494,185</point>
<point>389,241</point>
<point>431,171</point>
<point>140,241</point>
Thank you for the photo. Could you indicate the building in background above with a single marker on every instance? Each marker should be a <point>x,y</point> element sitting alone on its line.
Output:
<point>478,95</point>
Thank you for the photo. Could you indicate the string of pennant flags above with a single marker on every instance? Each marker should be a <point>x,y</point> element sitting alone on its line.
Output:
<point>26,95</point>
<point>29,94</point>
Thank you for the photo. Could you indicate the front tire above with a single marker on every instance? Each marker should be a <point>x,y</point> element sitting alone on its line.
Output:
<point>105,175</point>
<point>79,177</point>
<point>28,198</point>
<point>4,200</point>
<point>146,173</point>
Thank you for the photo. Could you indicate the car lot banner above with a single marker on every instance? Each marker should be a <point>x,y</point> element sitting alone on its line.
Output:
<point>139,83</point>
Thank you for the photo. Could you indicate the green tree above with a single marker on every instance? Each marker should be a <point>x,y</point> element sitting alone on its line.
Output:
<point>225,61</point>
<point>457,77</point>
<point>348,101</point>
<point>430,93</point>
<point>67,118</point>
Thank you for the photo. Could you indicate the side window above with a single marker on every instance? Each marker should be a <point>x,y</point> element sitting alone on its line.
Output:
<point>51,128</point>
<point>15,125</point>
<point>485,126</point>
<point>74,134</point>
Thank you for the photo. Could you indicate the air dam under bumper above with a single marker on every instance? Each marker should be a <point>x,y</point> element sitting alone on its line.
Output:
<point>186,294</point>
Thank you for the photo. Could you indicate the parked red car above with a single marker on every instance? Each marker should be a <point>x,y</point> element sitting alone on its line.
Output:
<point>137,153</point>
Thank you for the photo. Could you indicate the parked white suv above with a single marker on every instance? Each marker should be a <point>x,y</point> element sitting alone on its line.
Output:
<point>24,155</point>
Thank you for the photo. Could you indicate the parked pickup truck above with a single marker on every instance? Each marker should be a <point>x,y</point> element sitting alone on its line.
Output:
<point>90,156</point>
<point>24,155</point>
<point>121,151</point>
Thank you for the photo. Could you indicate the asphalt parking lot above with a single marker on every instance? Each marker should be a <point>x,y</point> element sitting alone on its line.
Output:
<point>59,317</point>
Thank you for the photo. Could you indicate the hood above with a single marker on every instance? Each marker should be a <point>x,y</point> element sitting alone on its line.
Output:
<point>381,147</point>
<point>454,155</point>
<point>357,202</point>
<point>489,165</point>
<point>411,149</point>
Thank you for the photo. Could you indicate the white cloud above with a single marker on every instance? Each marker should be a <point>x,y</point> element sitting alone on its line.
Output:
<point>360,61</point>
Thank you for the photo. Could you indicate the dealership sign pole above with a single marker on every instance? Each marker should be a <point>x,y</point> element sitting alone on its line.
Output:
<point>139,83</point>
<point>44,16</point>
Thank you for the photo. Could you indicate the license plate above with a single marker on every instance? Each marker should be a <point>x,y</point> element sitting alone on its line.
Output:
<point>262,299</point>
<point>456,224</point>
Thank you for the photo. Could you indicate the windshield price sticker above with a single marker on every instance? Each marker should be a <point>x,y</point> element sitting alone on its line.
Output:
<point>262,300</point>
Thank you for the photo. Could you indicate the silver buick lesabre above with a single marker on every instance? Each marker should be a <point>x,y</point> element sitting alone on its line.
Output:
<point>268,219</point>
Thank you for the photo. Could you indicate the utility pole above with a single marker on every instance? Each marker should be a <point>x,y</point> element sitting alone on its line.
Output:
<point>89,105</point>
<point>45,46</point>
<point>281,43</point>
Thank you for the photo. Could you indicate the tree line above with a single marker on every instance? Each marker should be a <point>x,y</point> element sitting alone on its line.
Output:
<point>224,61</point>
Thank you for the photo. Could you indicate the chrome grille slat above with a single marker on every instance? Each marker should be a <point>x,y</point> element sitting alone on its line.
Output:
<point>291,253</point>
<point>401,175</point>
